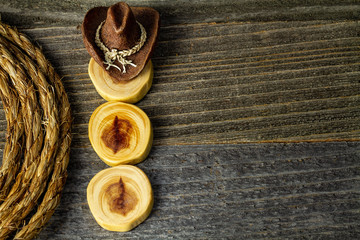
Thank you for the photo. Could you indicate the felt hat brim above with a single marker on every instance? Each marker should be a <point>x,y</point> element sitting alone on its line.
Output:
<point>148,17</point>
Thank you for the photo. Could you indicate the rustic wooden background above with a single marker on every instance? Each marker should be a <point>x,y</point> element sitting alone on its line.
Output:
<point>255,108</point>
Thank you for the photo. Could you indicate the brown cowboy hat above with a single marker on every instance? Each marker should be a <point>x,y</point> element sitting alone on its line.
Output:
<point>121,30</point>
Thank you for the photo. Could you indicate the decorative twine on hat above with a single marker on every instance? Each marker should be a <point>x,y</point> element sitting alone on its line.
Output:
<point>120,55</point>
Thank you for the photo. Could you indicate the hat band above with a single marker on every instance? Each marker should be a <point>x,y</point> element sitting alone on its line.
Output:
<point>112,55</point>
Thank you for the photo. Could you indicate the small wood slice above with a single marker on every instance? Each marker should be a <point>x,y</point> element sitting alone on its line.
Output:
<point>111,89</point>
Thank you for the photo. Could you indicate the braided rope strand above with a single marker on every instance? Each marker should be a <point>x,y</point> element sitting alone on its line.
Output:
<point>33,129</point>
<point>112,55</point>
<point>12,150</point>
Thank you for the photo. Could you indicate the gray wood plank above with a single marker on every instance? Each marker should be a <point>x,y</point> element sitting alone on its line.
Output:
<point>232,82</point>
<point>257,191</point>
<point>226,71</point>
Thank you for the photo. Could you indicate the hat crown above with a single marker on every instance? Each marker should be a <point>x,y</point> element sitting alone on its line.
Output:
<point>120,30</point>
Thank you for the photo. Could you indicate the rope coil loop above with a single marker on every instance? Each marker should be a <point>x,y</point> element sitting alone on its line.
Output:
<point>37,147</point>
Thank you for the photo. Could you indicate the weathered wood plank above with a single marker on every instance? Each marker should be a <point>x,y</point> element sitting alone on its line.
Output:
<point>255,191</point>
<point>38,12</point>
<point>233,82</point>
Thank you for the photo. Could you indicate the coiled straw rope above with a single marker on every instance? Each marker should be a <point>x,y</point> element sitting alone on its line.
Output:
<point>37,147</point>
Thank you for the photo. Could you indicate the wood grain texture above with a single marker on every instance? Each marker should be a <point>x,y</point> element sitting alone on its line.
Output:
<point>229,75</point>
<point>254,191</point>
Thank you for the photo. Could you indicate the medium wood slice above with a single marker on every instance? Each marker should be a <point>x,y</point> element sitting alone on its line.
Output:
<point>110,89</point>
<point>120,133</point>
